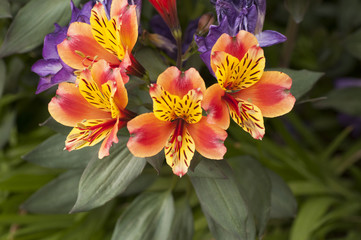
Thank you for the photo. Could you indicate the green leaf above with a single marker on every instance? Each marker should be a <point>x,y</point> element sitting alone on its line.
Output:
<point>353,44</point>
<point>218,231</point>
<point>310,213</point>
<point>2,75</point>
<point>182,225</point>
<point>6,125</point>
<point>141,183</point>
<point>156,161</point>
<point>148,217</point>
<point>345,100</point>
<point>51,154</point>
<point>302,80</point>
<point>24,182</point>
<point>249,172</point>
<point>152,61</point>
<point>58,196</point>
<point>297,8</point>
<point>221,200</point>
<point>55,126</point>
<point>32,23</point>
<point>206,168</point>
<point>5,9</point>
<point>283,203</point>
<point>104,179</point>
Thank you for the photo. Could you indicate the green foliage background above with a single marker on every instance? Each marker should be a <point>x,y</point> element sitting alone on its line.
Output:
<point>309,148</point>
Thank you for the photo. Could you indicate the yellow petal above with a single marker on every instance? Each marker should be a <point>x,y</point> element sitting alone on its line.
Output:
<point>189,108</point>
<point>163,103</point>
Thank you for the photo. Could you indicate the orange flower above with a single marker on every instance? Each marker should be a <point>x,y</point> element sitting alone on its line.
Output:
<point>176,124</point>
<point>168,11</point>
<point>109,39</point>
<point>244,90</point>
<point>94,106</point>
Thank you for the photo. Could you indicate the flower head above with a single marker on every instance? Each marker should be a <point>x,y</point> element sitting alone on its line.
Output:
<point>111,39</point>
<point>168,11</point>
<point>52,70</point>
<point>94,106</point>
<point>233,16</point>
<point>176,124</point>
<point>245,91</point>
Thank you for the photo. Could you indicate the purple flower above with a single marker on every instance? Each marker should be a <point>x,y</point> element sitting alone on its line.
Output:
<point>166,39</point>
<point>233,16</point>
<point>52,70</point>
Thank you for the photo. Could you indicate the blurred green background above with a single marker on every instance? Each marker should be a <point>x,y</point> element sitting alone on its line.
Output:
<point>316,148</point>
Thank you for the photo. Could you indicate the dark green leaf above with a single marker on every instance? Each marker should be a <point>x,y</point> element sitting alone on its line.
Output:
<point>249,172</point>
<point>6,125</point>
<point>58,196</point>
<point>283,203</point>
<point>104,179</point>
<point>302,80</point>
<point>51,154</point>
<point>297,8</point>
<point>156,161</point>
<point>207,168</point>
<point>353,44</point>
<point>182,226</point>
<point>141,183</point>
<point>346,100</point>
<point>152,61</point>
<point>148,217</point>
<point>32,23</point>
<point>218,231</point>
<point>24,182</point>
<point>55,126</point>
<point>5,9</point>
<point>223,202</point>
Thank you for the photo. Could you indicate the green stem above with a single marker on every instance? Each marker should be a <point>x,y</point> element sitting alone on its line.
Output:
<point>291,33</point>
<point>179,53</point>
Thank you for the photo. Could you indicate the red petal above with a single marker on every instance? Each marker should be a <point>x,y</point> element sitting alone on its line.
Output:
<point>271,94</point>
<point>148,135</point>
<point>208,139</point>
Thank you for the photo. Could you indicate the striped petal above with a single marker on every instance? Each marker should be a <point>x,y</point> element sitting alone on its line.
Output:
<point>236,46</point>
<point>271,94</point>
<point>179,149</point>
<point>89,133</point>
<point>189,107</point>
<point>249,117</point>
<point>163,103</point>
<point>69,107</point>
<point>106,33</point>
<point>110,139</point>
<point>79,50</point>
<point>233,74</point>
<point>208,139</point>
<point>216,107</point>
<point>148,135</point>
<point>180,83</point>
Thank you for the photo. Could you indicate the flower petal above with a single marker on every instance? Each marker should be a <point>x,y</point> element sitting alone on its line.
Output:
<point>189,107</point>
<point>69,107</point>
<point>271,94</point>
<point>79,49</point>
<point>129,27</point>
<point>89,133</point>
<point>208,139</point>
<point>110,139</point>
<point>249,117</point>
<point>106,32</point>
<point>216,108</point>
<point>236,46</point>
<point>117,7</point>
<point>233,74</point>
<point>180,83</point>
<point>148,135</point>
<point>163,103</point>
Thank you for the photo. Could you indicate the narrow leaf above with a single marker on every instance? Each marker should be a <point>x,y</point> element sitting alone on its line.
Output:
<point>148,217</point>
<point>5,9</point>
<point>58,196</point>
<point>223,202</point>
<point>32,23</point>
<point>302,80</point>
<point>283,203</point>
<point>249,172</point>
<point>182,225</point>
<point>51,154</point>
<point>104,179</point>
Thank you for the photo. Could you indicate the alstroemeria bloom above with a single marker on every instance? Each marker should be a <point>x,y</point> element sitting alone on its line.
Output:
<point>94,106</point>
<point>168,11</point>
<point>244,90</point>
<point>176,124</point>
<point>109,39</point>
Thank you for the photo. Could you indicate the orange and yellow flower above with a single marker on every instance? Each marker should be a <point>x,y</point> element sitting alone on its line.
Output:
<point>176,124</point>
<point>94,106</point>
<point>109,39</point>
<point>245,91</point>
